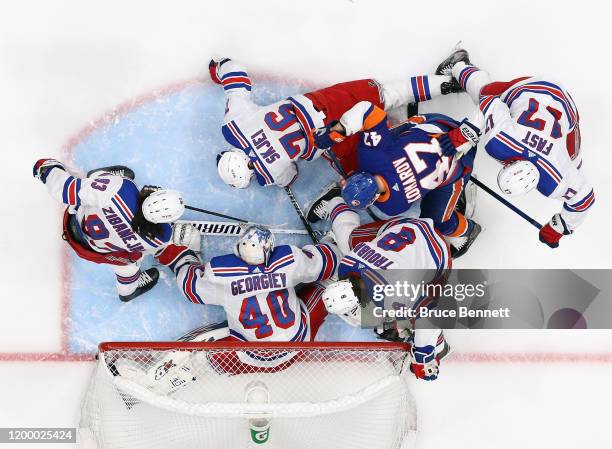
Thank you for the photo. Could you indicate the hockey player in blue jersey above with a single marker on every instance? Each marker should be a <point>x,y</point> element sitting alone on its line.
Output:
<point>532,127</point>
<point>427,158</point>
<point>110,221</point>
<point>270,140</point>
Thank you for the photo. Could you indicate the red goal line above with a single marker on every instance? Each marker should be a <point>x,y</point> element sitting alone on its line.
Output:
<point>454,358</point>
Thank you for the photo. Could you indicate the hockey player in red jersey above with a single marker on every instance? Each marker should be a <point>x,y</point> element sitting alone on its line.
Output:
<point>270,140</point>
<point>532,127</point>
<point>110,221</point>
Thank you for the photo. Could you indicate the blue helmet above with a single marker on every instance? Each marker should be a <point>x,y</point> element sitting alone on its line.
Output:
<point>360,190</point>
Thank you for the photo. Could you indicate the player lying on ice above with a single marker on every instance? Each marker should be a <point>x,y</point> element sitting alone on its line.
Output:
<point>110,221</point>
<point>270,140</point>
<point>396,244</point>
<point>532,128</point>
<point>427,158</point>
<point>269,294</point>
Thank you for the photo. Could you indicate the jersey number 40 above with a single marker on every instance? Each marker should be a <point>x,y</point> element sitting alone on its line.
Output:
<point>252,317</point>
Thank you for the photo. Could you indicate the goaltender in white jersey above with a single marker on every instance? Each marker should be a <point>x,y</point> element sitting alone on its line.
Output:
<point>257,287</point>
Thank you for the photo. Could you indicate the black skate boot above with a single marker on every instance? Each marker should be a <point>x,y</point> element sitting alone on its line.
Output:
<point>459,54</point>
<point>117,170</point>
<point>146,281</point>
<point>450,87</point>
<point>460,245</point>
<point>317,211</point>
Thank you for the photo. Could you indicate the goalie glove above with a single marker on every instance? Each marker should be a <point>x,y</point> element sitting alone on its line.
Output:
<point>551,233</point>
<point>43,167</point>
<point>184,234</point>
<point>325,137</point>
<point>425,365</point>
<point>213,68</point>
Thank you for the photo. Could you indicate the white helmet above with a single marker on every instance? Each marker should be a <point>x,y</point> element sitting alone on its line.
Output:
<point>233,168</point>
<point>518,177</point>
<point>163,206</point>
<point>255,245</point>
<point>340,299</point>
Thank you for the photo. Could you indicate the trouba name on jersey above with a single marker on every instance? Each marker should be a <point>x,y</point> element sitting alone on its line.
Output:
<point>371,256</point>
<point>259,282</point>
<point>260,140</point>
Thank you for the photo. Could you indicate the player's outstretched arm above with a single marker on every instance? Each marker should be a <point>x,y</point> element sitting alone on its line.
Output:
<point>364,116</point>
<point>574,211</point>
<point>315,262</point>
<point>61,185</point>
<point>237,86</point>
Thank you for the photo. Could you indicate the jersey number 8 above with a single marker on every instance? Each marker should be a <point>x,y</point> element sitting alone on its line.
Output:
<point>397,241</point>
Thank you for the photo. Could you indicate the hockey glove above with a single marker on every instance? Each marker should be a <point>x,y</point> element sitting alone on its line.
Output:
<point>42,167</point>
<point>551,233</point>
<point>213,67</point>
<point>463,138</point>
<point>325,137</point>
<point>425,365</point>
<point>184,234</point>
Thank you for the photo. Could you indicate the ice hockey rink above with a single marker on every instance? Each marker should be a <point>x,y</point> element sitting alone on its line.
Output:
<point>126,82</point>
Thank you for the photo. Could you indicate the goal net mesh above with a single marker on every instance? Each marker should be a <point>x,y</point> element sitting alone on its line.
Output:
<point>248,395</point>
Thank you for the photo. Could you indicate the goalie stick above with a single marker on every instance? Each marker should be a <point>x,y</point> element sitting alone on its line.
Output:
<point>229,228</point>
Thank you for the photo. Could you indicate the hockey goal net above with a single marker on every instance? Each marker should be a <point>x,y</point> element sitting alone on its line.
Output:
<point>249,395</point>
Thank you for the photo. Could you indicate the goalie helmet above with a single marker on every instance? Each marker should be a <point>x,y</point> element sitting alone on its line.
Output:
<point>255,245</point>
<point>234,168</point>
<point>360,190</point>
<point>163,206</point>
<point>518,177</point>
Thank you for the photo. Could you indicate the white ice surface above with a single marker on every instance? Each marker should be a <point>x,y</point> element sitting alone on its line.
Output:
<point>64,64</point>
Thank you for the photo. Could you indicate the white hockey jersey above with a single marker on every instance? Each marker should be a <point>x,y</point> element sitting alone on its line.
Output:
<point>275,136</point>
<point>401,243</point>
<point>537,120</point>
<point>104,206</point>
<point>260,301</point>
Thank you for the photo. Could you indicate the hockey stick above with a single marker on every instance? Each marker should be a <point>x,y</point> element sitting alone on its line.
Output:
<point>230,228</point>
<point>505,202</point>
<point>216,214</point>
<point>300,213</point>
